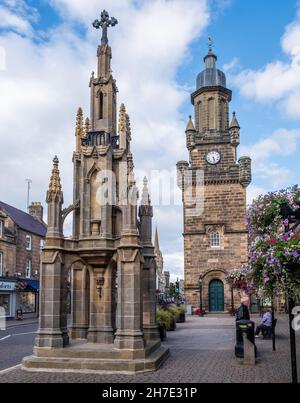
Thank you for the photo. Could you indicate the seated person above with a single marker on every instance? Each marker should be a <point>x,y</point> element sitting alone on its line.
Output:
<point>266,323</point>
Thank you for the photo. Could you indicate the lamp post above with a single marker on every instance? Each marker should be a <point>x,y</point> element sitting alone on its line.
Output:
<point>232,300</point>
<point>201,290</point>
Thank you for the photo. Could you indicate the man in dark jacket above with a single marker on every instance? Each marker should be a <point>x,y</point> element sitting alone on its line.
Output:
<point>243,312</point>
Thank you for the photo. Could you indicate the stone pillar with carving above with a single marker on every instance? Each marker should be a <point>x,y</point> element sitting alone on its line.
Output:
<point>100,329</point>
<point>52,325</point>
<point>129,335</point>
<point>79,301</point>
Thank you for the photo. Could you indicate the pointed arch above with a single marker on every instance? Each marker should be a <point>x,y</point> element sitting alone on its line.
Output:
<point>211,114</point>
<point>101,105</point>
<point>91,172</point>
<point>224,114</point>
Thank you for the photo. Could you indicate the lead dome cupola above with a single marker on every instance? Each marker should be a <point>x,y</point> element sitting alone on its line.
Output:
<point>211,76</point>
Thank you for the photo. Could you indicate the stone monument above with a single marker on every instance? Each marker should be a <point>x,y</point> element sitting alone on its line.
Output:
<point>107,269</point>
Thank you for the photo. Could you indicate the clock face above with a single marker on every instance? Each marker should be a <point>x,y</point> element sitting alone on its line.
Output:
<point>213,157</point>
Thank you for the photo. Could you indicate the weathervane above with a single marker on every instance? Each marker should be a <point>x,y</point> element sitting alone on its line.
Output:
<point>104,23</point>
<point>210,43</point>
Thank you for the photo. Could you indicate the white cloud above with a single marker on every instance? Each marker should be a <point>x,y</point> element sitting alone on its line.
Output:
<point>282,143</point>
<point>277,81</point>
<point>232,65</point>
<point>253,192</point>
<point>17,15</point>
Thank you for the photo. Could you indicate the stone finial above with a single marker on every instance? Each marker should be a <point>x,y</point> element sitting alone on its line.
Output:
<point>79,122</point>
<point>55,185</point>
<point>87,126</point>
<point>234,122</point>
<point>130,164</point>
<point>145,194</point>
<point>128,127</point>
<point>156,241</point>
<point>80,130</point>
<point>190,125</point>
<point>122,119</point>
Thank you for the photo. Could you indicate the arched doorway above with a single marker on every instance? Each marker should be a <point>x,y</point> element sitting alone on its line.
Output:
<point>216,296</point>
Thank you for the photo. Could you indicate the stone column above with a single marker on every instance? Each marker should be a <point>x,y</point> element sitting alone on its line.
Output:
<point>100,330</point>
<point>150,327</point>
<point>50,333</point>
<point>129,335</point>
<point>80,302</point>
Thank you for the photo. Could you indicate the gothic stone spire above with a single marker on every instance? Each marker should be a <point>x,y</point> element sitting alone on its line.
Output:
<point>55,185</point>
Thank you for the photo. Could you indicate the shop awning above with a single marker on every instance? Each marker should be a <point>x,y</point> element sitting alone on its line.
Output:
<point>33,284</point>
<point>27,285</point>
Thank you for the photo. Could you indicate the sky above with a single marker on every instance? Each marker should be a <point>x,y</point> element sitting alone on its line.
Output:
<point>47,54</point>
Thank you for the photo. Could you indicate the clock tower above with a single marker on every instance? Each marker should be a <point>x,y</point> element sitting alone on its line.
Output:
<point>213,184</point>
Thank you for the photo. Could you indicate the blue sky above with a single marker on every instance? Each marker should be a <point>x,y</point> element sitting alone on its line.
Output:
<point>47,53</point>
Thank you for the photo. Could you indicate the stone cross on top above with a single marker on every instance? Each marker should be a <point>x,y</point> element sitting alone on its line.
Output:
<point>104,23</point>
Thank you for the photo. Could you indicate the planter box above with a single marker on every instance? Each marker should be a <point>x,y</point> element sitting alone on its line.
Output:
<point>172,326</point>
<point>180,318</point>
<point>162,333</point>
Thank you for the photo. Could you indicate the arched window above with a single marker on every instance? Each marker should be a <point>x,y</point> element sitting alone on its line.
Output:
<point>215,239</point>
<point>28,268</point>
<point>199,122</point>
<point>211,114</point>
<point>224,123</point>
<point>101,105</point>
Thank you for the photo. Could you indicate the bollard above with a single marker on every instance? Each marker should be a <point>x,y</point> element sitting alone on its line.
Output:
<point>249,351</point>
<point>245,331</point>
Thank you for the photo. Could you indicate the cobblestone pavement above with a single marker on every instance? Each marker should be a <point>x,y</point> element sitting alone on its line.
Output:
<point>202,351</point>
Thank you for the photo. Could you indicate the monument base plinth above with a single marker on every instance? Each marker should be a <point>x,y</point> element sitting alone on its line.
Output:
<point>96,358</point>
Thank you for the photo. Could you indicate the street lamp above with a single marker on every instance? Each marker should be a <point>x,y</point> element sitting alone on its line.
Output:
<point>201,289</point>
<point>232,300</point>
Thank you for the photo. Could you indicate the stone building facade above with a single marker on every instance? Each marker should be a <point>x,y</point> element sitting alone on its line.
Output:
<point>214,183</point>
<point>21,238</point>
<point>160,275</point>
<point>109,259</point>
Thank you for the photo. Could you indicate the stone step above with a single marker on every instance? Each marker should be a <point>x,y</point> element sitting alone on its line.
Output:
<point>96,365</point>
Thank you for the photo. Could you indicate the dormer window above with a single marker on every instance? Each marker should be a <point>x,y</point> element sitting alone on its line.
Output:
<point>28,242</point>
<point>215,239</point>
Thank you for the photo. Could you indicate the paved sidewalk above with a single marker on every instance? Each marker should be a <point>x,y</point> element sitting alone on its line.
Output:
<point>202,351</point>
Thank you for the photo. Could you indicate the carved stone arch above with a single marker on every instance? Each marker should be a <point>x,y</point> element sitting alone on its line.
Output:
<point>70,260</point>
<point>69,210</point>
<point>91,172</point>
<point>209,271</point>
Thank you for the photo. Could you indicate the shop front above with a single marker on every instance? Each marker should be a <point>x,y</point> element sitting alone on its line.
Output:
<point>8,297</point>
<point>27,297</point>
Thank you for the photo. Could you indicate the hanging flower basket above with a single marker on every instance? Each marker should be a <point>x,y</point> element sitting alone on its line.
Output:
<point>274,255</point>
<point>239,279</point>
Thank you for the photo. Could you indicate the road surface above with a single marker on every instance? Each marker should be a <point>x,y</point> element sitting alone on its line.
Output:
<point>15,343</point>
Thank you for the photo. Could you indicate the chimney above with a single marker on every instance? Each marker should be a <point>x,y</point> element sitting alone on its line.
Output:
<point>36,210</point>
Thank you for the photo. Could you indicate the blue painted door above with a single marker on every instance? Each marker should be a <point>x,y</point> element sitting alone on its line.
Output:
<point>216,296</point>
